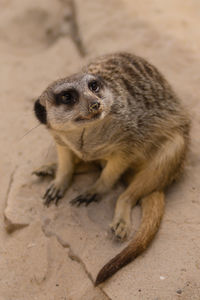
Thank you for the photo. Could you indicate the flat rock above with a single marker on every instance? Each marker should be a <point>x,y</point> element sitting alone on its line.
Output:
<point>56,252</point>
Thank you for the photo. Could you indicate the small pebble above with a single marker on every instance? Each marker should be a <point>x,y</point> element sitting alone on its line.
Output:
<point>179,291</point>
<point>162,277</point>
<point>183,270</point>
<point>31,245</point>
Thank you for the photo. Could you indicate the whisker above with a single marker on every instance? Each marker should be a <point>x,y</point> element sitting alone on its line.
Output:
<point>49,149</point>
<point>30,131</point>
<point>27,113</point>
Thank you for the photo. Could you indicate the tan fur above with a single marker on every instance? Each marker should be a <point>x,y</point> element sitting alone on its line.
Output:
<point>114,168</point>
<point>152,212</point>
<point>134,123</point>
<point>154,174</point>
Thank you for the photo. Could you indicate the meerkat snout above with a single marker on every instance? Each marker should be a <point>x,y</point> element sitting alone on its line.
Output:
<point>94,106</point>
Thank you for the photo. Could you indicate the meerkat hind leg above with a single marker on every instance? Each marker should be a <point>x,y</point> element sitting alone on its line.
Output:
<point>121,223</point>
<point>46,170</point>
<point>155,175</point>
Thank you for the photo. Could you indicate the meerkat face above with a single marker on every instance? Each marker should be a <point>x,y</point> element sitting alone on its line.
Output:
<point>73,102</point>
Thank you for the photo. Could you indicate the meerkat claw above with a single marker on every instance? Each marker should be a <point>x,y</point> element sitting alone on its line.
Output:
<point>52,194</point>
<point>46,170</point>
<point>84,199</point>
<point>120,230</point>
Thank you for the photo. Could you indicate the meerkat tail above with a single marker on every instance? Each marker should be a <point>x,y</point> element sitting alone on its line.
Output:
<point>152,212</point>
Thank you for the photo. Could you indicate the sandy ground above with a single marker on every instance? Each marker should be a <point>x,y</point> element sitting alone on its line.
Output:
<point>55,253</point>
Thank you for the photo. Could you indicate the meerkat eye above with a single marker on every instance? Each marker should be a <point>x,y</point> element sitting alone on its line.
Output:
<point>94,86</point>
<point>67,97</point>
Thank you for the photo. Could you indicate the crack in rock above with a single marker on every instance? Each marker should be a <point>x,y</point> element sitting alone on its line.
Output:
<point>105,294</point>
<point>71,19</point>
<point>9,225</point>
<point>72,256</point>
<point>10,185</point>
<point>75,32</point>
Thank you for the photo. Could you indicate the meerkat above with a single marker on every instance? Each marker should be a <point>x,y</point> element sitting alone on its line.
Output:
<point>121,111</point>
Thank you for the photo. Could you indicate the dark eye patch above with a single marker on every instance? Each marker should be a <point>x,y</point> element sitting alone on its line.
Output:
<point>68,97</point>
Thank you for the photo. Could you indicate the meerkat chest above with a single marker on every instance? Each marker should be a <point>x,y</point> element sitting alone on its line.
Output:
<point>87,144</point>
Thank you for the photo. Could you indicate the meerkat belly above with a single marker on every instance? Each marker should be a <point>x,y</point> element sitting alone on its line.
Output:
<point>86,147</point>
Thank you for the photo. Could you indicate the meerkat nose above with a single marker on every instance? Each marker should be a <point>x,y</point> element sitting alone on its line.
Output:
<point>94,106</point>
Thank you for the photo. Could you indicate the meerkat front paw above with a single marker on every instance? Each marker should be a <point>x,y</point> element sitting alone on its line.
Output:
<point>46,170</point>
<point>120,229</point>
<point>85,198</point>
<point>54,192</point>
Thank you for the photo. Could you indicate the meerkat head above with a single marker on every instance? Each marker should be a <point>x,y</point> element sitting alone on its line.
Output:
<point>74,101</point>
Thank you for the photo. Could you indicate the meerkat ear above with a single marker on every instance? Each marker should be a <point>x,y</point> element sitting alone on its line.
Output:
<point>40,112</point>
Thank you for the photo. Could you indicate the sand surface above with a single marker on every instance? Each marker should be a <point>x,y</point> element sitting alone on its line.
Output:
<point>55,253</point>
